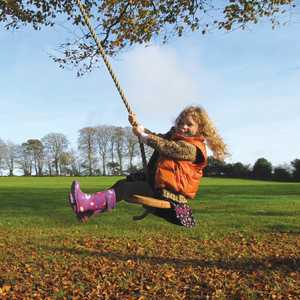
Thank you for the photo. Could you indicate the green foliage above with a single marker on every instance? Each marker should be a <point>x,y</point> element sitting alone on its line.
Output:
<point>296,165</point>
<point>214,167</point>
<point>281,174</point>
<point>237,170</point>
<point>262,169</point>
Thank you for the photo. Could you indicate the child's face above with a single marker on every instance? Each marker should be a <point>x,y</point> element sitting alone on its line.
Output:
<point>187,126</point>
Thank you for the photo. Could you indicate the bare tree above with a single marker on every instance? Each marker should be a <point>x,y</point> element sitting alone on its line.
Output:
<point>25,159</point>
<point>3,155</point>
<point>112,145</point>
<point>55,145</point>
<point>48,161</point>
<point>65,163</point>
<point>36,148</point>
<point>87,147</point>
<point>75,165</point>
<point>104,135</point>
<point>11,158</point>
<point>131,147</point>
<point>119,138</point>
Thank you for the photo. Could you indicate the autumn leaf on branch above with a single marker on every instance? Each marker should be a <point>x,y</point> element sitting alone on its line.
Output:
<point>120,24</point>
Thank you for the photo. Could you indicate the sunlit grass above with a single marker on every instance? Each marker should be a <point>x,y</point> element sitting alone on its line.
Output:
<point>38,206</point>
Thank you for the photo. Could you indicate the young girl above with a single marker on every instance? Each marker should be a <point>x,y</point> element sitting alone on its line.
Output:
<point>175,169</point>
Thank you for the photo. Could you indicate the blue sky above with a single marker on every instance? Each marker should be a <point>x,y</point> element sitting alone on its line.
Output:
<point>248,81</point>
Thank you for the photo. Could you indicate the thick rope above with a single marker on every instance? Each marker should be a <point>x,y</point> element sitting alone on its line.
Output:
<point>102,52</point>
<point>114,77</point>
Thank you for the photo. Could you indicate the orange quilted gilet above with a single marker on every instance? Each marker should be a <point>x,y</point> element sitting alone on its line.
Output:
<point>181,176</point>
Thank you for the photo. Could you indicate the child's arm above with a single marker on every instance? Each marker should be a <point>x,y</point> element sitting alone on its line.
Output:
<point>174,149</point>
<point>180,150</point>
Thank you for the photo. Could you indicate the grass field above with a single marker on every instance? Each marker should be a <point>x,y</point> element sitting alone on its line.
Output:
<point>245,245</point>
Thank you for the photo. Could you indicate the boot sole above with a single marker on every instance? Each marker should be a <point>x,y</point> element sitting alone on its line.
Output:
<point>73,203</point>
<point>82,217</point>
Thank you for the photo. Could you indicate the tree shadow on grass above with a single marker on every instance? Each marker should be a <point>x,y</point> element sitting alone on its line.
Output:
<point>42,206</point>
<point>47,203</point>
<point>284,228</point>
<point>276,213</point>
<point>271,263</point>
<point>259,190</point>
<point>37,199</point>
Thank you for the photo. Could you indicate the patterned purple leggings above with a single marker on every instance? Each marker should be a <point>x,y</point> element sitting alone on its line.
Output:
<point>179,214</point>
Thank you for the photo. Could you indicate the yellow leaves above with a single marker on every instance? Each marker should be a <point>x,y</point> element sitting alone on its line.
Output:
<point>4,289</point>
<point>153,268</point>
<point>168,274</point>
<point>117,43</point>
<point>28,268</point>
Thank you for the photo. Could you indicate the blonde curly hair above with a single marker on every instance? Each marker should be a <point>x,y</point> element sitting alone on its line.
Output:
<point>206,129</point>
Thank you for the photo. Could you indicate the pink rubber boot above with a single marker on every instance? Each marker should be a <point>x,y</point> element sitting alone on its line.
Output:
<point>85,205</point>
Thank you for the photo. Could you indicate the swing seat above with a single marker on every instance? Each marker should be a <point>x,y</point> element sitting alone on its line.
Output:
<point>150,202</point>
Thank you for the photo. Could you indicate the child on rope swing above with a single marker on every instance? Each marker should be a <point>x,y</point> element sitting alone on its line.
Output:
<point>175,169</point>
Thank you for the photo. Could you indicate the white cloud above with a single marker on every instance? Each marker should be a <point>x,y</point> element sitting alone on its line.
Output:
<point>159,83</point>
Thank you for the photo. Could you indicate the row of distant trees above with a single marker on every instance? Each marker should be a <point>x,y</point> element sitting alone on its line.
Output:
<point>110,150</point>
<point>262,169</point>
<point>101,150</point>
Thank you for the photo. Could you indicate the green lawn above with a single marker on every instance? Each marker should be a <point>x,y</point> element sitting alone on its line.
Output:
<point>222,207</point>
<point>245,244</point>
